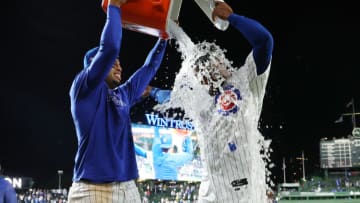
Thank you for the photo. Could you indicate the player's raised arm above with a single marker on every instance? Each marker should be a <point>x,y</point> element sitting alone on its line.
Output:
<point>258,36</point>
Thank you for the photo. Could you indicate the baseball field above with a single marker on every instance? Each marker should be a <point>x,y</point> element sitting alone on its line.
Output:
<point>322,201</point>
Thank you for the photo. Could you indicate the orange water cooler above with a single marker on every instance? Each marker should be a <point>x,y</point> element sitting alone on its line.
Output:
<point>149,16</point>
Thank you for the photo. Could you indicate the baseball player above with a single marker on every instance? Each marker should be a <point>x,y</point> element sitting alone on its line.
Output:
<point>225,105</point>
<point>167,165</point>
<point>105,164</point>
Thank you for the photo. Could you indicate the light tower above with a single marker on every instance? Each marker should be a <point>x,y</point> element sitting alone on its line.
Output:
<point>60,172</point>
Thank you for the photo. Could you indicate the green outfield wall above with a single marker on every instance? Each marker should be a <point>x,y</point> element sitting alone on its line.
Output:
<point>318,197</point>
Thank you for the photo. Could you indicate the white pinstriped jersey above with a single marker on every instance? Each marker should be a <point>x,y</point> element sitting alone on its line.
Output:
<point>230,148</point>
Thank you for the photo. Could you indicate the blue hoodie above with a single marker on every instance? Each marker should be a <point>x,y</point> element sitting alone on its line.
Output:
<point>102,115</point>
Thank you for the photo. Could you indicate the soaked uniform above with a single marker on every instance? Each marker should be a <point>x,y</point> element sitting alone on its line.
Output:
<point>230,148</point>
<point>227,122</point>
<point>234,168</point>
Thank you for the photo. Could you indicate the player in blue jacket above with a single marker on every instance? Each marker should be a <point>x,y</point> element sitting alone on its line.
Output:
<point>105,164</point>
<point>167,165</point>
<point>7,192</point>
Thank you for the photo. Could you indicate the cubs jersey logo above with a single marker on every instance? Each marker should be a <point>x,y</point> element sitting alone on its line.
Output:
<point>113,97</point>
<point>227,100</point>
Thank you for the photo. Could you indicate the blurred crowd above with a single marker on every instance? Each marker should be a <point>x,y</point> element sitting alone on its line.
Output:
<point>169,192</point>
<point>35,195</point>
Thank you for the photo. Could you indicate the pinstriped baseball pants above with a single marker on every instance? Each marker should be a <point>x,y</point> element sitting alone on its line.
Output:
<point>117,192</point>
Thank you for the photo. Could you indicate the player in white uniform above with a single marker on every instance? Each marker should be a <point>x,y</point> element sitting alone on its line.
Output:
<point>226,115</point>
<point>230,148</point>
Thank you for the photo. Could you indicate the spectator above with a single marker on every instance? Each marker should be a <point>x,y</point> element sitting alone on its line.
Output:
<point>7,192</point>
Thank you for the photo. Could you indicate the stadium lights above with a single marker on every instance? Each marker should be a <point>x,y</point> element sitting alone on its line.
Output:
<point>302,158</point>
<point>60,172</point>
<point>353,114</point>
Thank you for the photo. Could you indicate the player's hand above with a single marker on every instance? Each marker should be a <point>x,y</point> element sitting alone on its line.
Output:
<point>222,10</point>
<point>116,2</point>
<point>160,96</point>
<point>164,36</point>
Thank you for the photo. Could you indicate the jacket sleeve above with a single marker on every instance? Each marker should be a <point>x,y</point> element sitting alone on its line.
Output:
<point>109,48</point>
<point>258,36</point>
<point>138,82</point>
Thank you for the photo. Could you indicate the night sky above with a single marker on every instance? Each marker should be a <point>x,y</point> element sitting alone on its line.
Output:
<point>314,75</point>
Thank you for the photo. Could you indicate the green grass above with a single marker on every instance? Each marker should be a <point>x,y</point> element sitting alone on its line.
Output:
<point>322,201</point>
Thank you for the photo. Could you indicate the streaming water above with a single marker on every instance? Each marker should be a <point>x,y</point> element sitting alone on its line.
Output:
<point>231,146</point>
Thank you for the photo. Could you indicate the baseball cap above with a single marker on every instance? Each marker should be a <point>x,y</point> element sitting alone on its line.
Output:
<point>166,141</point>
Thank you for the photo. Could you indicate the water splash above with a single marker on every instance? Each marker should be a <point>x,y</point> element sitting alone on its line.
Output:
<point>186,82</point>
<point>249,154</point>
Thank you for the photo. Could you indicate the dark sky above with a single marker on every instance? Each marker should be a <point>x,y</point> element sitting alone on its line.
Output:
<point>314,75</point>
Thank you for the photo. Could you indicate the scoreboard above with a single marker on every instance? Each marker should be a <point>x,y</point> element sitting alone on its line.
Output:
<point>340,153</point>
